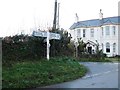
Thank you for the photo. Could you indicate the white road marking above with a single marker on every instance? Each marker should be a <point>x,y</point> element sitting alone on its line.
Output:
<point>107,72</point>
<point>98,74</point>
<point>111,63</point>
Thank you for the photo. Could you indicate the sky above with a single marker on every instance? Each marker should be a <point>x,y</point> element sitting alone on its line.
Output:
<point>18,16</point>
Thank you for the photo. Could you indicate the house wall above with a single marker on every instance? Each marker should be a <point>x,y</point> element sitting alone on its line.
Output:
<point>118,39</point>
<point>111,39</point>
<point>101,39</point>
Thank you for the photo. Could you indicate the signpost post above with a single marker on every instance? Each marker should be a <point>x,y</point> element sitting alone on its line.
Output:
<point>48,45</point>
<point>49,36</point>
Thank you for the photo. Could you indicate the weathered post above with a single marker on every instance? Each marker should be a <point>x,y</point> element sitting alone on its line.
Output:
<point>48,44</point>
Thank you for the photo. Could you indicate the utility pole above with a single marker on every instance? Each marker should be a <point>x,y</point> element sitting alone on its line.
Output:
<point>58,26</point>
<point>54,27</point>
<point>55,16</point>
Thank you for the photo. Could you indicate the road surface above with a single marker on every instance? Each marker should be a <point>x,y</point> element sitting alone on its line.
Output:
<point>100,75</point>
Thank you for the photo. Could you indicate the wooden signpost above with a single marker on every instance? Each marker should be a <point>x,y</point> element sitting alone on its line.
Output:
<point>49,36</point>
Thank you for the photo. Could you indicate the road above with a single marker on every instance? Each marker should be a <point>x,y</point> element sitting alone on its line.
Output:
<point>100,75</point>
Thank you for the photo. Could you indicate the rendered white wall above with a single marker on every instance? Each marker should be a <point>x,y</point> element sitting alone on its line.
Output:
<point>101,38</point>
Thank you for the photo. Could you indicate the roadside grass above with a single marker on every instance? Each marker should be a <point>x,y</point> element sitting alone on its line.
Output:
<point>93,60</point>
<point>39,73</point>
<point>106,59</point>
<point>113,59</point>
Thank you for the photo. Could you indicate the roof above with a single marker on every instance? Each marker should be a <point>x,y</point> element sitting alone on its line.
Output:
<point>96,22</point>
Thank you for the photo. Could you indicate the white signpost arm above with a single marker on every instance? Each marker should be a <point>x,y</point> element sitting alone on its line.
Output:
<point>48,45</point>
<point>49,36</point>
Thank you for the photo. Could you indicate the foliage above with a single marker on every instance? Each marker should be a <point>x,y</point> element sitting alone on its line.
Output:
<point>113,59</point>
<point>97,57</point>
<point>84,55</point>
<point>61,47</point>
<point>81,47</point>
<point>21,47</point>
<point>29,74</point>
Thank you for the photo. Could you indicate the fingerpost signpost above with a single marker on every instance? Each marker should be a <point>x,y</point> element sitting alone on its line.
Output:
<point>49,36</point>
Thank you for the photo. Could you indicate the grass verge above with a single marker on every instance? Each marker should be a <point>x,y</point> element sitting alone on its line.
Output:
<point>113,59</point>
<point>30,74</point>
<point>93,60</point>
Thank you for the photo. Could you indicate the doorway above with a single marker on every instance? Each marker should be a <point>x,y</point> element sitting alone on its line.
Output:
<point>90,50</point>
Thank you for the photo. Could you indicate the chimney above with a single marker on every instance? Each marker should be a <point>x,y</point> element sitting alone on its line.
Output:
<point>76,18</point>
<point>100,15</point>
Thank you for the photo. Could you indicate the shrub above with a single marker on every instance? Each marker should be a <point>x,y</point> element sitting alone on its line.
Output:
<point>22,47</point>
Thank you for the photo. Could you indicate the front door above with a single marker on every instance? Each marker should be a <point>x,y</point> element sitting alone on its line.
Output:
<point>90,50</point>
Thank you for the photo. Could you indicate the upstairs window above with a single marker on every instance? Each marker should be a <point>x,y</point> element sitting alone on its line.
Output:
<point>92,32</point>
<point>78,32</point>
<point>102,31</point>
<point>107,30</point>
<point>84,32</point>
<point>114,47</point>
<point>108,47</point>
<point>114,30</point>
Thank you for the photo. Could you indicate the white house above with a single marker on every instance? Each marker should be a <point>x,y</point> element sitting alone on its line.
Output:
<point>103,32</point>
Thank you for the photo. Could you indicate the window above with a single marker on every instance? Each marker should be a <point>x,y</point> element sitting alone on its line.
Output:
<point>108,47</point>
<point>114,47</point>
<point>114,30</point>
<point>102,31</point>
<point>107,30</point>
<point>92,32</point>
<point>78,32</point>
<point>84,32</point>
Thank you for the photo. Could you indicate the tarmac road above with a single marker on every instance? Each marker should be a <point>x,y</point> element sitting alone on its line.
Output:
<point>100,75</point>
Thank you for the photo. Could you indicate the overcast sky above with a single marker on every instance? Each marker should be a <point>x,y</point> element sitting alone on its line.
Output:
<point>23,15</point>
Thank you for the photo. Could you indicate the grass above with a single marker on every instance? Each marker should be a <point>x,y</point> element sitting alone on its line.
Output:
<point>113,59</point>
<point>31,74</point>
<point>93,60</point>
<point>105,59</point>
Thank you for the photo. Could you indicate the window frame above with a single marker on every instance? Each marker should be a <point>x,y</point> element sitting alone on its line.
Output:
<point>114,47</point>
<point>84,32</point>
<point>78,32</point>
<point>102,31</point>
<point>108,47</point>
<point>92,32</point>
<point>114,30</point>
<point>107,28</point>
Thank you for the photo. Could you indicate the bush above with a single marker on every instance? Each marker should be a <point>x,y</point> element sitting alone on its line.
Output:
<point>23,47</point>
<point>92,58</point>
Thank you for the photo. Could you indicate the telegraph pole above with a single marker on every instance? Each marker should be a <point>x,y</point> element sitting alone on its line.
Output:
<point>55,16</point>
<point>58,26</point>
<point>54,27</point>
